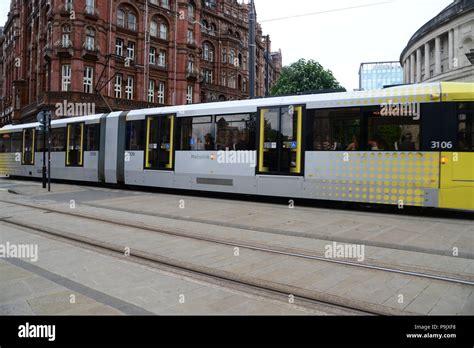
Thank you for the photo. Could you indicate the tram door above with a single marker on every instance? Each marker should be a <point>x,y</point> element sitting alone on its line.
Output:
<point>280,141</point>
<point>75,145</point>
<point>28,157</point>
<point>160,143</point>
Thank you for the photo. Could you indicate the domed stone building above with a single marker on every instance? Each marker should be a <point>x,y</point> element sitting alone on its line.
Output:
<point>443,48</point>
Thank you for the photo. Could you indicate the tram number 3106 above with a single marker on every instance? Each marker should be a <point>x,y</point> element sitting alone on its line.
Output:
<point>442,145</point>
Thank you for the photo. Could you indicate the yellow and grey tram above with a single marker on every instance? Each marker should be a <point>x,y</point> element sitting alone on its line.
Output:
<point>406,145</point>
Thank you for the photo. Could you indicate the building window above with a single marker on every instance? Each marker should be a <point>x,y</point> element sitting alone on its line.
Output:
<point>232,81</point>
<point>132,21</point>
<point>224,55</point>
<point>154,28</point>
<point>163,31</point>
<point>208,76</point>
<point>190,64</point>
<point>191,12</point>
<point>165,3</point>
<point>161,93</point>
<point>152,56</point>
<point>129,88</point>
<point>118,86</point>
<point>119,47</point>
<point>224,79</point>
<point>232,56</point>
<point>68,6</point>
<point>190,36</point>
<point>127,19</point>
<point>90,7</point>
<point>66,78</point>
<point>189,94</point>
<point>121,18</point>
<point>162,58</point>
<point>66,38</point>
<point>90,39</point>
<point>131,51</point>
<point>151,91</point>
<point>208,52</point>
<point>88,79</point>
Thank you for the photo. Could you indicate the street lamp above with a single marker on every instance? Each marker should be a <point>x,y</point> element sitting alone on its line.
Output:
<point>252,49</point>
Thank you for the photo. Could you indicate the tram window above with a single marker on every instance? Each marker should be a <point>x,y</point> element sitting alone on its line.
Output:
<point>39,141</point>
<point>466,131</point>
<point>136,135</point>
<point>392,133</point>
<point>5,143</point>
<point>196,134</point>
<point>334,129</point>
<point>92,137</point>
<point>58,140</point>
<point>17,142</point>
<point>75,145</point>
<point>236,132</point>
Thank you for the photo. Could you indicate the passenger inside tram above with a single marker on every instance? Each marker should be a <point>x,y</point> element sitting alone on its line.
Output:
<point>354,146</point>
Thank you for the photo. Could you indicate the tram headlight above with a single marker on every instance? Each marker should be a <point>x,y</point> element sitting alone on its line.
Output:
<point>444,160</point>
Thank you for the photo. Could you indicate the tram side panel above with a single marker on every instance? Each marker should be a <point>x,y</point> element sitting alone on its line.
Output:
<point>211,171</point>
<point>395,178</point>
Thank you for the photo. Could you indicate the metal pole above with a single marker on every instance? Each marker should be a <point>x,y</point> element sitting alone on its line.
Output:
<point>44,130</point>
<point>175,65</point>
<point>49,126</point>
<point>49,152</point>
<point>252,49</point>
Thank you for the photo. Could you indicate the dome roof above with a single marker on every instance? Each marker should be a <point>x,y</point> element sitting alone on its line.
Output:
<point>454,10</point>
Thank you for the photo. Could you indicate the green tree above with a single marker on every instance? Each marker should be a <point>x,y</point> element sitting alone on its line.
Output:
<point>304,76</point>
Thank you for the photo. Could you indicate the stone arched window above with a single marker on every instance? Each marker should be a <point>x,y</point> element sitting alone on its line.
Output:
<point>66,36</point>
<point>121,18</point>
<point>132,21</point>
<point>154,28</point>
<point>127,18</point>
<point>89,43</point>
<point>208,52</point>
<point>191,11</point>
<point>190,64</point>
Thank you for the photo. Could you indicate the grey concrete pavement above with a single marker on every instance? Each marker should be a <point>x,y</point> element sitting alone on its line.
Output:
<point>416,243</point>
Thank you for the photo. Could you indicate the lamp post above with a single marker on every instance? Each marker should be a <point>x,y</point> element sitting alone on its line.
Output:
<point>252,49</point>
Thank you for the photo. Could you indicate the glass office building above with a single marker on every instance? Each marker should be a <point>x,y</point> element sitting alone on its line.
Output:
<point>377,75</point>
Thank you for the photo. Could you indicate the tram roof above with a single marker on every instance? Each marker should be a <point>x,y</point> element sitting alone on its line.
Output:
<point>422,93</point>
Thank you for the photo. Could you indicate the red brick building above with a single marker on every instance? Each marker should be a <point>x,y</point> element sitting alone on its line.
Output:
<point>137,54</point>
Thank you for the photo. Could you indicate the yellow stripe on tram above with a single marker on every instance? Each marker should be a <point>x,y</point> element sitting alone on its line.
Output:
<point>261,168</point>
<point>299,130</point>
<point>147,151</point>
<point>81,149</point>
<point>68,162</point>
<point>23,148</point>
<point>170,164</point>
<point>33,147</point>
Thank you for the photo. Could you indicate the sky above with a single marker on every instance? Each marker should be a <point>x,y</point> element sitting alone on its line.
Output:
<point>340,40</point>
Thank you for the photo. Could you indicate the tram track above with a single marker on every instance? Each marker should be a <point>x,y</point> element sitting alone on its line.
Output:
<point>299,234</point>
<point>269,290</point>
<point>291,252</point>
